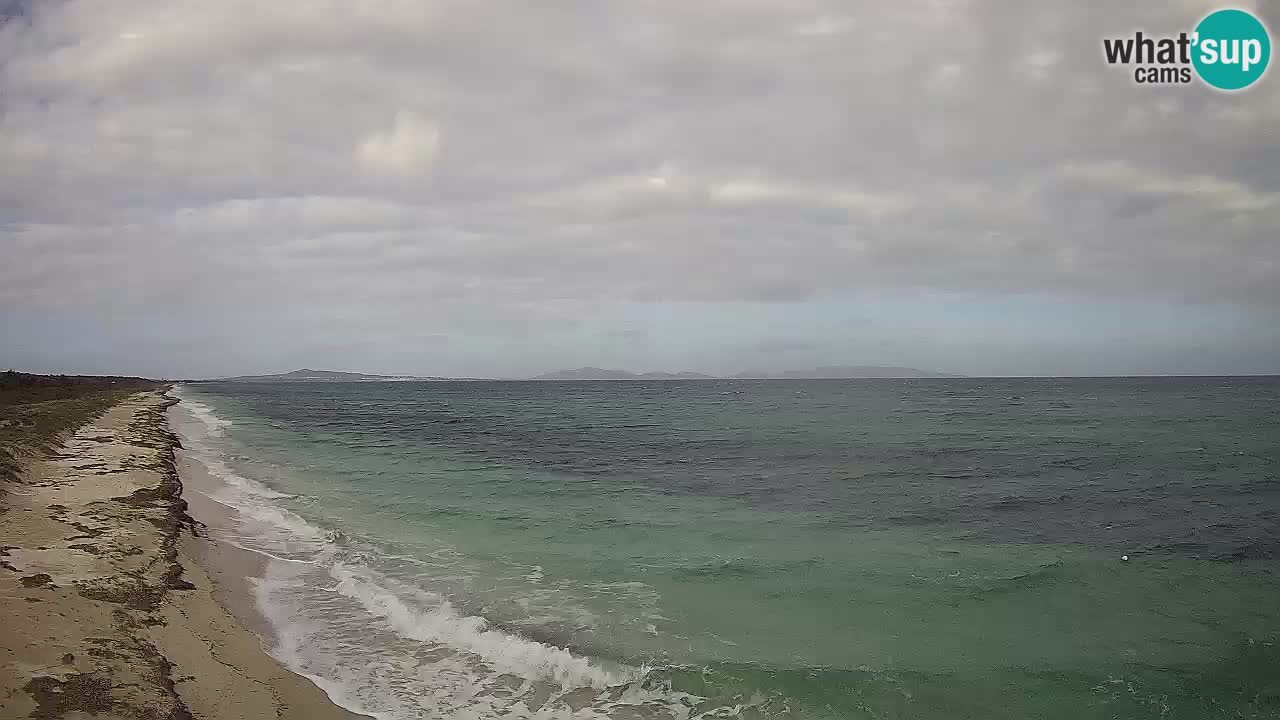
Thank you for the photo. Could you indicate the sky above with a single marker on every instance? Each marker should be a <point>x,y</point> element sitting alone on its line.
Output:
<point>476,188</point>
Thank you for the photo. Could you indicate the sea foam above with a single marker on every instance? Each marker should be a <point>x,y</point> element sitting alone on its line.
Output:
<point>442,623</point>
<point>202,412</point>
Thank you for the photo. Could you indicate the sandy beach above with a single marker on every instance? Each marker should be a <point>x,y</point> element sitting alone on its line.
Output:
<point>116,606</point>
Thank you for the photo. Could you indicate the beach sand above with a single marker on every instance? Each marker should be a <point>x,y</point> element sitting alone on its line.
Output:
<point>114,606</point>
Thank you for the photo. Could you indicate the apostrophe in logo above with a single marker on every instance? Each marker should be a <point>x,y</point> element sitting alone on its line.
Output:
<point>1229,49</point>
<point>1232,51</point>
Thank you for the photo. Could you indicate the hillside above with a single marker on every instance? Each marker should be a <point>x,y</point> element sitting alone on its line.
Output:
<point>825,372</point>
<point>309,375</point>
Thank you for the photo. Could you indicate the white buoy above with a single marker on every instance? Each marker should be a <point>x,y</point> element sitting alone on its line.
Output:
<point>1124,558</point>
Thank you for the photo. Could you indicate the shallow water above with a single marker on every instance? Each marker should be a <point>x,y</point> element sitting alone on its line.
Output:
<point>851,549</point>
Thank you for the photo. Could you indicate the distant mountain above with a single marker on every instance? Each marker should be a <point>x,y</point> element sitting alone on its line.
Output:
<point>309,375</point>
<point>864,371</point>
<point>686,375</point>
<point>826,372</point>
<point>587,373</point>
<point>595,373</point>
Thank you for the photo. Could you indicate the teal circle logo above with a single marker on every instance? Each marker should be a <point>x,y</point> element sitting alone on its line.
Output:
<point>1232,49</point>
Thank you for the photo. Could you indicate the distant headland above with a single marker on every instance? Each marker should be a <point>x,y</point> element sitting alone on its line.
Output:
<point>595,373</point>
<point>826,372</point>
<point>309,375</point>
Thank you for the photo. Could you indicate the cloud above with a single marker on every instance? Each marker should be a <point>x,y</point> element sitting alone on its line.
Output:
<point>407,148</point>
<point>751,191</point>
<point>674,190</point>
<point>1212,192</point>
<point>823,25</point>
<point>490,172</point>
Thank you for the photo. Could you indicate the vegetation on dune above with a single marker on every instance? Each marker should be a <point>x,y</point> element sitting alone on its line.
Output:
<point>38,411</point>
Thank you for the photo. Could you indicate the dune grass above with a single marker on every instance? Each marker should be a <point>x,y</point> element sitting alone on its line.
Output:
<point>38,411</point>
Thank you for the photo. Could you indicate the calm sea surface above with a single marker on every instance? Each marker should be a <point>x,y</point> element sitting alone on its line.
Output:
<point>807,549</point>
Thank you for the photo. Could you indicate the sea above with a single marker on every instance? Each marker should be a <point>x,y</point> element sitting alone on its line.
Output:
<point>889,548</point>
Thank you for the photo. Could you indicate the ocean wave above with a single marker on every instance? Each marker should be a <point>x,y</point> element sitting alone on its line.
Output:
<point>1256,549</point>
<point>1014,503</point>
<point>257,523</point>
<point>441,623</point>
<point>1038,576</point>
<point>290,522</point>
<point>239,483</point>
<point>214,425</point>
<point>741,567</point>
<point>388,648</point>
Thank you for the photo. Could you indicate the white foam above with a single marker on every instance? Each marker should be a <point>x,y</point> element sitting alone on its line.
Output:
<point>383,648</point>
<point>245,485</point>
<point>280,531</point>
<point>442,623</point>
<point>283,526</point>
<point>205,414</point>
<point>259,551</point>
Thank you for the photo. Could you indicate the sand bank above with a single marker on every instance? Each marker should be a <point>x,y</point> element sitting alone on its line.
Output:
<point>114,607</point>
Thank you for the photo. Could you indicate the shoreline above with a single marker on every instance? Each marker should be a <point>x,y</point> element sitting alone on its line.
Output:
<point>231,569</point>
<point>119,605</point>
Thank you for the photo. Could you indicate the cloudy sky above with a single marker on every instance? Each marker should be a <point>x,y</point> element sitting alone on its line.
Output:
<point>462,187</point>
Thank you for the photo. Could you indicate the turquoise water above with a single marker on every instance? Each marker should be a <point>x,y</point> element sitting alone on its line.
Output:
<point>847,549</point>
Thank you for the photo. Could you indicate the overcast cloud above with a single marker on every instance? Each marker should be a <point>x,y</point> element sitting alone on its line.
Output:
<point>196,188</point>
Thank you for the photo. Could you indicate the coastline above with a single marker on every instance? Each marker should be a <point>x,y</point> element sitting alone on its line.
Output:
<point>118,605</point>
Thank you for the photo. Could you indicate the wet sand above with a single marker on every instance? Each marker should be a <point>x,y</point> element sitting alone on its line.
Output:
<point>116,606</point>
